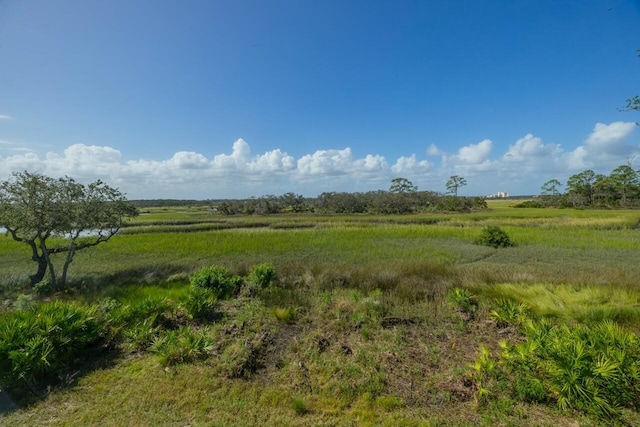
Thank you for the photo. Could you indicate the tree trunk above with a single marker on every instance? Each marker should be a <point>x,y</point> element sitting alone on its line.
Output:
<point>47,258</point>
<point>42,264</point>
<point>65,268</point>
<point>42,270</point>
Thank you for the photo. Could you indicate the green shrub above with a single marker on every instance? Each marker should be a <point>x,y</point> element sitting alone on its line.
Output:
<point>23,302</point>
<point>38,342</point>
<point>529,204</point>
<point>262,275</point>
<point>201,303</point>
<point>510,313</point>
<point>494,237</point>
<point>463,300</point>
<point>140,336</point>
<point>217,279</point>
<point>43,287</point>
<point>593,369</point>
<point>181,346</point>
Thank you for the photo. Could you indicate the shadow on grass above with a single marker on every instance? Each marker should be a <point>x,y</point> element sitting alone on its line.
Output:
<point>101,357</point>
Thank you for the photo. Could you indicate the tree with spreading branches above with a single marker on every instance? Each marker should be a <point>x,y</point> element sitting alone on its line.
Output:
<point>54,216</point>
<point>455,182</point>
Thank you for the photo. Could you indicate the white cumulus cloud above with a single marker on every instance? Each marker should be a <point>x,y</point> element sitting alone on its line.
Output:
<point>524,165</point>
<point>410,164</point>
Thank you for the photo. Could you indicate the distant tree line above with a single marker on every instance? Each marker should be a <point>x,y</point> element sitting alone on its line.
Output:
<point>402,197</point>
<point>619,189</point>
<point>373,202</point>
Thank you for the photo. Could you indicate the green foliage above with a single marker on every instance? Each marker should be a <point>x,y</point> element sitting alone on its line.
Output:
<point>38,342</point>
<point>463,300</point>
<point>594,369</point>
<point>529,204</point>
<point>299,406</point>
<point>284,314</point>
<point>262,275</point>
<point>201,303</point>
<point>181,346</point>
<point>23,302</point>
<point>402,185</point>
<point>43,287</point>
<point>454,182</point>
<point>494,237</point>
<point>49,216</point>
<point>139,336</point>
<point>218,280</point>
<point>510,313</point>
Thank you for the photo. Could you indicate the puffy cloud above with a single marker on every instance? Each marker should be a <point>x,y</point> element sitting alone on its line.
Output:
<point>611,138</point>
<point>472,154</point>
<point>91,154</point>
<point>189,160</point>
<point>577,159</point>
<point>325,162</point>
<point>410,165</point>
<point>435,151</point>
<point>605,134</point>
<point>272,161</point>
<point>475,153</point>
<point>530,148</point>
<point>525,165</point>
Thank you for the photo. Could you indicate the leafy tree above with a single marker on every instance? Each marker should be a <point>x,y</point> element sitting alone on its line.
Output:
<point>402,185</point>
<point>580,186</point>
<point>455,182</point>
<point>550,188</point>
<point>55,215</point>
<point>625,180</point>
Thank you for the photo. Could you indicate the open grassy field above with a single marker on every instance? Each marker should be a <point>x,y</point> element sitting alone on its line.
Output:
<point>373,320</point>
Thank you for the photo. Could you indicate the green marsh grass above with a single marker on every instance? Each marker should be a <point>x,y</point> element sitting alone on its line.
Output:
<point>582,303</point>
<point>358,329</point>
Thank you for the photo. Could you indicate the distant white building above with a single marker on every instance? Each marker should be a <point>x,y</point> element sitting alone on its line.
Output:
<point>498,195</point>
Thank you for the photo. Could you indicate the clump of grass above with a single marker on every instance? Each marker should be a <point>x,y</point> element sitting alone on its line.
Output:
<point>181,346</point>
<point>284,314</point>
<point>299,406</point>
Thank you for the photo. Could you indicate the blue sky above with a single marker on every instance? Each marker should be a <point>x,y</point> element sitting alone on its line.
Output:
<point>216,99</point>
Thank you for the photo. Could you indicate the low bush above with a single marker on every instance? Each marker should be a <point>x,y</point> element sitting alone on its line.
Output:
<point>40,341</point>
<point>494,237</point>
<point>181,346</point>
<point>262,275</point>
<point>463,301</point>
<point>217,279</point>
<point>594,369</point>
<point>201,303</point>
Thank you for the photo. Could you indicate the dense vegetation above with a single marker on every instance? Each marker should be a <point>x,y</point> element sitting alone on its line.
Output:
<point>501,316</point>
<point>619,189</point>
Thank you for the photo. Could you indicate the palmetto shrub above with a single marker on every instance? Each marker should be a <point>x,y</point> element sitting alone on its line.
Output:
<point>181,346</point>
<point>594,369</point>
<point>45,339</point>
